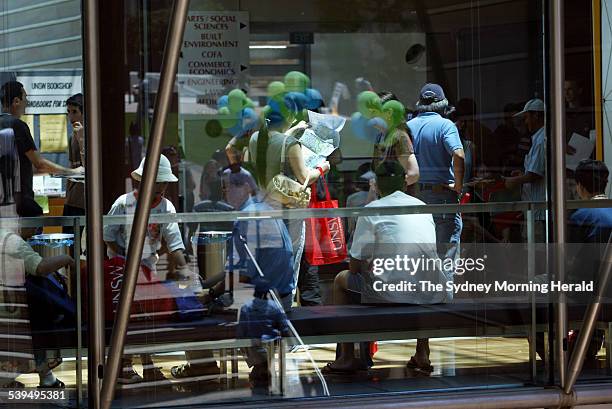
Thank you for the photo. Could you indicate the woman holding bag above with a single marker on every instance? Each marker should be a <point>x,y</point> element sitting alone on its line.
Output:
<point>276,154</point>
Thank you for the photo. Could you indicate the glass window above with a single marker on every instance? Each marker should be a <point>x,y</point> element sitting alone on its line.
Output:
<point>41,132</point>
<point>354,198</point>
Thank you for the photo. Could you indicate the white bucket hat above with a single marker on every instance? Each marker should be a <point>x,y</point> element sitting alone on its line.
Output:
<point>164,171</point>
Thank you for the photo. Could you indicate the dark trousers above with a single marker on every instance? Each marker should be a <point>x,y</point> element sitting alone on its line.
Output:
<point>308,284</point>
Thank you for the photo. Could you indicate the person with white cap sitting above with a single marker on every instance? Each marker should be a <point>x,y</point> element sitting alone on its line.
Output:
<point>159,238</point>
<point>532,179</point>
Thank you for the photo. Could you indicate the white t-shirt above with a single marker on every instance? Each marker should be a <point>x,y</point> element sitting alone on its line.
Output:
<point>411,235</point>
<point>126,205</point>
<point>357,199</point>
<point>17,258</point>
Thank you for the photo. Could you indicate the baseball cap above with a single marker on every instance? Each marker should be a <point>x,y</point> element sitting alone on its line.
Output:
<point>432,92</point>
<point>533,105</point>
<point>164,171</point>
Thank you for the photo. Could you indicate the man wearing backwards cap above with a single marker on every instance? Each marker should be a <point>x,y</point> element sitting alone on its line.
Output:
<point>441,159</point>
<point>532,179</point>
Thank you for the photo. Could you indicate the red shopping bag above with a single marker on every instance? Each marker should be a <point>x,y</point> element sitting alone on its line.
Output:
<point>152,299</point>
<point>325,240</point>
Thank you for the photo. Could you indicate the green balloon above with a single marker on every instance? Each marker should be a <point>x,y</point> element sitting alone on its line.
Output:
<point>235,100</point>
<point>265,111</point>
<point>394,113</point>
<point>276,90</point>
<point>226,118</point>
<point>249,103</point>
<point>296,81</point>
<point>369,104</point>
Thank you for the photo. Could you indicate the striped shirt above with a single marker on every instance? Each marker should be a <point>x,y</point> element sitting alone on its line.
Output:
<point>535,162</point>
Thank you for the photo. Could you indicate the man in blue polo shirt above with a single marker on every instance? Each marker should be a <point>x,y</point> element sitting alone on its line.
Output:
<point>441,159</point>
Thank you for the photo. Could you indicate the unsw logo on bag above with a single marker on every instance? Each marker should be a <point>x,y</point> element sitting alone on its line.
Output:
<point>336,231</point>
<point>325,240</point>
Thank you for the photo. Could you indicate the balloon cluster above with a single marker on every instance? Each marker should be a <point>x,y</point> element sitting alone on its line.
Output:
<point>290,98</point>
<point>237,113</point>
<point>374,120</point>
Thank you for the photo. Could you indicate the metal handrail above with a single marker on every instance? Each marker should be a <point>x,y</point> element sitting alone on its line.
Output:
<point>290,214</point>
<point>139,228</point>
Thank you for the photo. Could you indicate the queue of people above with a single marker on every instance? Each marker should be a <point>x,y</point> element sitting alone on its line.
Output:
<point>427,160</point>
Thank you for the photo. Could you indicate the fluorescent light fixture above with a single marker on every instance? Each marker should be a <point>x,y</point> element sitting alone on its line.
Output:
<point>268,47</point>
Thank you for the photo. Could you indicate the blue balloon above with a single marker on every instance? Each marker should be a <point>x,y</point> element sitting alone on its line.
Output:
<point>236,130</point>
<point>314,100</point>
<point>250,120</point>
<point>358,126</point>
<point>295,101</point>
<point>222,101</point>
<point>376,129</point>
<point>274,118</point>
<point>274,105</point>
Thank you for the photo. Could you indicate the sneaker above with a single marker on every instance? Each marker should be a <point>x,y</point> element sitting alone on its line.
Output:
<point>153,374</point>
<point>192,371</point>
<point>129,376</point>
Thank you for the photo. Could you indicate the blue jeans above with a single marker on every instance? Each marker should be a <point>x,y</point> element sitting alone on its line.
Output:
<point>448,226</point>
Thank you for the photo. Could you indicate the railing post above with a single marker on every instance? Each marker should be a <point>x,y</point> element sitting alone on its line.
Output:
<point>530,274</point>
<point>590,318</point>
<point>94,194</point>
<point>556,114</point>
<point>141,216</point>
<point>79,302</point>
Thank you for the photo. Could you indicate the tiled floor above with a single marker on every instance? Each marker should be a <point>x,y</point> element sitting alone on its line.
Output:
<point>459,363</point>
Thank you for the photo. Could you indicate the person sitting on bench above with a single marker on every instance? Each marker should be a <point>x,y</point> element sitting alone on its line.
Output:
<point>19,259</point>
<point>116,238</point>
<point>588,233</point>
<point>385,237</point>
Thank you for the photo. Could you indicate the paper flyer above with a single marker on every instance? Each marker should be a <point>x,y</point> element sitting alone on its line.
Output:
<point>321,138</point>
<point>53,133</point>
<point>584,149</point>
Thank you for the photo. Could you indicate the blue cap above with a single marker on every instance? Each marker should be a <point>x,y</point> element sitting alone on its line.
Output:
<point>432,92</point>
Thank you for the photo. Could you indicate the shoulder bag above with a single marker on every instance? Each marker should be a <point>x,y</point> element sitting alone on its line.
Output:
<point>287,191</point>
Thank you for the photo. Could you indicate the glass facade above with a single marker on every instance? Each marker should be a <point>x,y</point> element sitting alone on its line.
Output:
<point>354,199</point>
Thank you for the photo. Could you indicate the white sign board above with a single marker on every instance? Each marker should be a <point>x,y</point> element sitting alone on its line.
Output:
<point>215,54</point>
<point>47,94</point>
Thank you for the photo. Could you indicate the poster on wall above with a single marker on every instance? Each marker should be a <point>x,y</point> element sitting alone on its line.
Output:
<point>214,55</point>
<point>53,133</point>
<point>48,92</point>
<point>214,60</point>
